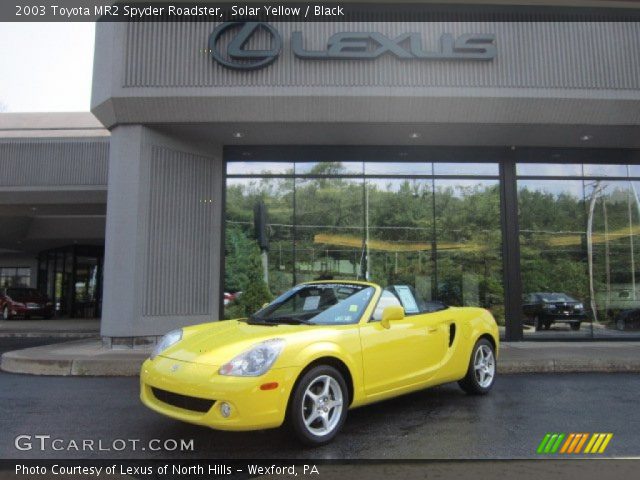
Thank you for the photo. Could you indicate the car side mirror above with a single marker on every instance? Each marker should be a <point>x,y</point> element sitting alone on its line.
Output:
<point>390,314</point>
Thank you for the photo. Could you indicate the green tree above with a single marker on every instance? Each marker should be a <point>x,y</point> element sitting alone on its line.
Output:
<point>256,292</point>
<point>244,273</point>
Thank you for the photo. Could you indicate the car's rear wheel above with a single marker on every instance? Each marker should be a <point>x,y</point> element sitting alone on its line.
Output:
<point>620,324</point>
<point>575,326</point>
<point>5,313</point>
<point>482,369</point>
<point>319,405</point>
<point>537,322</point>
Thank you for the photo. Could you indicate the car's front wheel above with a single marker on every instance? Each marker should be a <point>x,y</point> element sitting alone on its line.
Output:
<point>482,369</point>
<point>575,326</point>
<point>318,407</point>
<point>620,324</point>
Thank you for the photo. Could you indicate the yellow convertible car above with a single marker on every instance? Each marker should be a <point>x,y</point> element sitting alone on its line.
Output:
<point>313,353</point>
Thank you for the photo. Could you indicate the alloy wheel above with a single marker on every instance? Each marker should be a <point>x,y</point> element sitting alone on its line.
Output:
<point>322,405</point>
<point>484,366</point>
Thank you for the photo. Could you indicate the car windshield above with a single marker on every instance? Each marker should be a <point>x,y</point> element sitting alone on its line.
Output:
<point>318,304</point>
<point>17,293</point>
<point>556,297</point>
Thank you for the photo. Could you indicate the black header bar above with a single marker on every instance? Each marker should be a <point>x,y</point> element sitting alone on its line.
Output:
<point>207,11</point>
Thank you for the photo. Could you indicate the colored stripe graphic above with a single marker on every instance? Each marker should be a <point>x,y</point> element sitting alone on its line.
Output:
<point>598,442</point>
<point>568,442</point>
<point>550,443</point>
<point>543,443</point>
<point>574,443</point>
<point>581,443</point>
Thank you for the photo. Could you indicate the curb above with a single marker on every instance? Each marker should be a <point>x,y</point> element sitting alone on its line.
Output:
<point>72,367</point>
<point>80,357</point>
<point>56,334</point>
<point>568,366</point>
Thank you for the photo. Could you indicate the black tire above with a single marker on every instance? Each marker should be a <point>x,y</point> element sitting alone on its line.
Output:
<point>537,323</point>
<point>547,325</point>
<point>5,313</point>
<point>470,383</point>
<point>300,403</point>
<point>575,326</point>
<point>620,324</point>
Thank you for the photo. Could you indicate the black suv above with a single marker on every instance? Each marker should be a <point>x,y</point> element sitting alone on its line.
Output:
<point>542,309</point>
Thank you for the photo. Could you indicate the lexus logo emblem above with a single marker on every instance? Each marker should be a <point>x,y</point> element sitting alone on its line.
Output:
<point>236,55</point>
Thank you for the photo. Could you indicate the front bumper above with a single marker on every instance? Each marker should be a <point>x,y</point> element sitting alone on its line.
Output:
<point>565,318</point>
<point>251,407</point>
<point>24,311</point>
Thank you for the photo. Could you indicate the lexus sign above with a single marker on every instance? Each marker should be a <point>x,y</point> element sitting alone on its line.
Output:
<point>229,46</point>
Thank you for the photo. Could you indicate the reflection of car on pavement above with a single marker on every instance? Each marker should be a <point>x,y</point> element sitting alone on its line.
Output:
<point>542,309</point>
<point>628,319</point>
<point>24,302</point>
<point>313,353</point>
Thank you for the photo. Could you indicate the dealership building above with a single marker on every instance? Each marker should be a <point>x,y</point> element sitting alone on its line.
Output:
<point>489,160</point>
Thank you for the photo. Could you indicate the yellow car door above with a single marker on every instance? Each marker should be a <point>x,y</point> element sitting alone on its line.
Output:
<point>406,354</point>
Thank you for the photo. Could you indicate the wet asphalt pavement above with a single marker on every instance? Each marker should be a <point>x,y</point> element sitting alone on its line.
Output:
<point>439,423</point>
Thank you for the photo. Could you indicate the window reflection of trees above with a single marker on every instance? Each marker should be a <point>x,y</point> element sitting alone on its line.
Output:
<point>580,237</point>
<point>441,236</point>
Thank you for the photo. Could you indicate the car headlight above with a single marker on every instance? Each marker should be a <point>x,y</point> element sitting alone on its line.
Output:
<point>579,306</point>
<point>174,336</point>
<point>254,362</point>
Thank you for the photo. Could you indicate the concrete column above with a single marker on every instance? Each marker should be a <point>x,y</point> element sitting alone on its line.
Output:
<point>162,243</point>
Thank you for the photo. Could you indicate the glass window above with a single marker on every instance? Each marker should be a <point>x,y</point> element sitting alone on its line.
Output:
<point>613,242</point>
<point>393,231</point>
<point>468,243</point>
<point>553,260</point>
<point>329,223</point>
<point>241,246</point>
<point>634,171</point>
<point>549,169</point>
<point>258,168</point>
<point>595,170</point>
<point>401,233</point>
<point>329,168</point>
<point>398,168</point>
<point>15,277</point>
<point>480,169</point>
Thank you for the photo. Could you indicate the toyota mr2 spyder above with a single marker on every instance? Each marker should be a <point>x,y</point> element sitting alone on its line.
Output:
<point>315,352</point>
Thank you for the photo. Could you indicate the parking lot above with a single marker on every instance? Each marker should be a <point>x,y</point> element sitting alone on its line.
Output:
<point>439,423</point>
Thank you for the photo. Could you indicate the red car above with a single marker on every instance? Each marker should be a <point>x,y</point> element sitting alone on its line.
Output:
<point>24,302</point>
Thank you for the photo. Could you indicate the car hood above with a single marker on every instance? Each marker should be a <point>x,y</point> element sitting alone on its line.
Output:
<point>217,343</point>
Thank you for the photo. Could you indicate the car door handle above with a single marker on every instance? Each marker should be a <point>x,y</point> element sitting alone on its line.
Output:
<point>432,329</point>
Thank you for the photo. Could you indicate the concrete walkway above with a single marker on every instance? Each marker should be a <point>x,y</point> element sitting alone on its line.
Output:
<point>55,328</point>
<point>88,357</point>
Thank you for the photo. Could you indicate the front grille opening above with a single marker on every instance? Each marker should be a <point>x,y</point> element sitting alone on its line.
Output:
<point>196,404</point>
